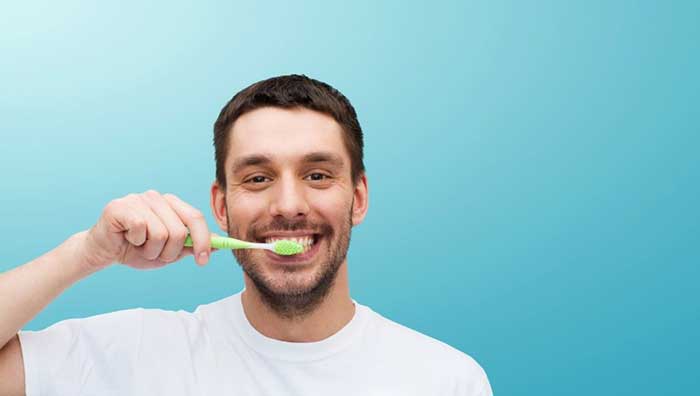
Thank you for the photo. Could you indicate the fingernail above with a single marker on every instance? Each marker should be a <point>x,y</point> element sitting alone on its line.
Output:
<point>202,259</point>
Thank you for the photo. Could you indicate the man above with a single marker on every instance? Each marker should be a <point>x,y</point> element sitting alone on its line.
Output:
<point>288,166</point>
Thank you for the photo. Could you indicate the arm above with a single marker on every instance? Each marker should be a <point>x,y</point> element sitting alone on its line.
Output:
<point>11,369</point>
<point>140,230</point>
<point>26,290</point>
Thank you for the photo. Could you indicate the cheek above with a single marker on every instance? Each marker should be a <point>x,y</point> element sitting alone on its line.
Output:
<point>244,208</point>
<point>333,208</point>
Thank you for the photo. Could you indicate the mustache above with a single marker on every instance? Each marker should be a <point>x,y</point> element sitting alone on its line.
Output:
<point>282,224</point>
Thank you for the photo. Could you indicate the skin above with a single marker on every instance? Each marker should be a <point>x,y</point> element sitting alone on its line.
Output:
<point>143,231</point>
<point>147,231</point>
<point>284,193</point>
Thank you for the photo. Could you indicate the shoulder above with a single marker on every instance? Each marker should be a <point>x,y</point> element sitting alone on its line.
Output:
<point>106,324</point>
<point>222,305</point>
<point>409,340</point>
<point>428,354</point>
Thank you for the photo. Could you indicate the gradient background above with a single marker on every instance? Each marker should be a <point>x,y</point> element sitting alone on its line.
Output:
<point>533,167</point>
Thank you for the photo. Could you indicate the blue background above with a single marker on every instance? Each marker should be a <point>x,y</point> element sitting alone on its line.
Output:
<point>533,166</point>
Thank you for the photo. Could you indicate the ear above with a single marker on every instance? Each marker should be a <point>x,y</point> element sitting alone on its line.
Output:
<point>218,206</point>
<point>361,200</point>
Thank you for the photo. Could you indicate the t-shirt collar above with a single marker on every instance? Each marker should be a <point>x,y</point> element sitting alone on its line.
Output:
<point>299,351</point>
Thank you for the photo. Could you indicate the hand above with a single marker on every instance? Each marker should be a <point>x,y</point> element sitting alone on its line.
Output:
<point>146,231</point>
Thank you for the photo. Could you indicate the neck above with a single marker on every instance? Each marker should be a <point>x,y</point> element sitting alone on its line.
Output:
<point>332,314</point>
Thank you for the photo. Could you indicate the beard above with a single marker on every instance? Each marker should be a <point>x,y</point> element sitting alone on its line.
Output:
<point>291,297</point>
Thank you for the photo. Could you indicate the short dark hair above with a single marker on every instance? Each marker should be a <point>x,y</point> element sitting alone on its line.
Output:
<point>289,92</point>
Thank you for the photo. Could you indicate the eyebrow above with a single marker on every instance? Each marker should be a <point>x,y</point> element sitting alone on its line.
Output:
<point>250,160</point>
<point>264,159</point>
<point>323,156</point>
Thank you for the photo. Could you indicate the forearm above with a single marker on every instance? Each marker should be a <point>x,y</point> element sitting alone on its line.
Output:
<point>27,289</point>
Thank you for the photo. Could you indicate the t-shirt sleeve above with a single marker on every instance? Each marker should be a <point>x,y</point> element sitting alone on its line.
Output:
<point>476,382</point>
<point>468,377</point>
<point>73,354</point>
<point>485,388</point>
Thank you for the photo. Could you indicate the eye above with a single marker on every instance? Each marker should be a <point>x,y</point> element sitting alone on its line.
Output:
<point>317,176</point>
<point>256,179</point>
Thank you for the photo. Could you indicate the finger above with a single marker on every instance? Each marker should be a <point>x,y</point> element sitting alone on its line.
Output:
<point>184,252</point>
<point>136,232</point>
<point>120,217</point>
<point>177,232</point>
<point>187,251</point>
<point>156,234</point>
<point>197,225</point>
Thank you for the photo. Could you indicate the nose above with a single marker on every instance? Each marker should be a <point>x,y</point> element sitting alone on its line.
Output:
<point>288,199</point>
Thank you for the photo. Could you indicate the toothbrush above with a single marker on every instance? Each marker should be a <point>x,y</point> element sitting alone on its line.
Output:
<point>282,247</point>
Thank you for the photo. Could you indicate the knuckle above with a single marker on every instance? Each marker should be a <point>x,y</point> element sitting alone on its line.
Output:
<point>197,215</point>
<point>159,235</point>
<point>112,205</point>
<point>139,223</point>
<point>147,196</point>
<point>128,199</point>
<point>179,234</point>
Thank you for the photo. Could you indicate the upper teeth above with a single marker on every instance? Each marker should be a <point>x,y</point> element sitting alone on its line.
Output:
<point>305,241</point>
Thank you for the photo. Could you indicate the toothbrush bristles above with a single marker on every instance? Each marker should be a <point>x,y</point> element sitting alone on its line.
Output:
<point>287,248</point>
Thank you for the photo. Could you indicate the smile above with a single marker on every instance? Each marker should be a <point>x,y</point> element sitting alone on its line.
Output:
<point>309,240</point>
<point>306,241</point>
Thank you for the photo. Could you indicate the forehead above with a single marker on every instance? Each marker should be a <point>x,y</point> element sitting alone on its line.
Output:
<point>285,134</point>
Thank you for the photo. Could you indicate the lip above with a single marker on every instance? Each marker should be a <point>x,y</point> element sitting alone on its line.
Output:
<point>296,259</point>
<point>288,234</point>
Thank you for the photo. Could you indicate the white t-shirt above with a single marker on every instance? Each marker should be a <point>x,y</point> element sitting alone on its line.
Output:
<point>216,351</point>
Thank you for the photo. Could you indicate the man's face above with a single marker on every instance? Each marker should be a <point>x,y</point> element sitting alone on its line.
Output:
<point>288,177</point>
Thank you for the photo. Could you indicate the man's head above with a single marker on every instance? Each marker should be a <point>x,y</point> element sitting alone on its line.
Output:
<point>289,92</point>
<point>289,163</point>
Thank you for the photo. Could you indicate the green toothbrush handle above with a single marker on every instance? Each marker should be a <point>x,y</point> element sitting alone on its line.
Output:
<point>222,243</point>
